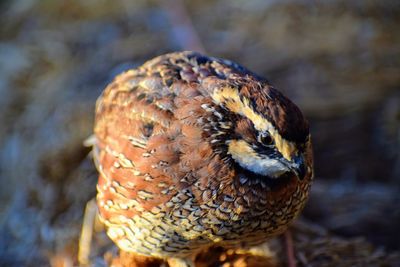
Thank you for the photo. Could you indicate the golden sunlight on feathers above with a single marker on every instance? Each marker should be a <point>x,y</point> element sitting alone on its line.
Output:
<point>180,166</point>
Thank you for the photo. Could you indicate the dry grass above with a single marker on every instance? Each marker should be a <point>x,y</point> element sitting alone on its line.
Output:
<point>337,59</point>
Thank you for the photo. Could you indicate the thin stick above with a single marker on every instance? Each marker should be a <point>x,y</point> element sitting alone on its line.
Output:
<point>289,249</point>
<point>182,26</point>
<point>85,239</point>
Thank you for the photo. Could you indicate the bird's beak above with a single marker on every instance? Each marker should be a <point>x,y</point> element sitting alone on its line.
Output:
<point>298,166</point>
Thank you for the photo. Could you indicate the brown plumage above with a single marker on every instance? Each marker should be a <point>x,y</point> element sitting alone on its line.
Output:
<point>194,151</point>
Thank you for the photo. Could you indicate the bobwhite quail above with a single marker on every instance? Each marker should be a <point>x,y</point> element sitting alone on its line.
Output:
<point>195,151</point>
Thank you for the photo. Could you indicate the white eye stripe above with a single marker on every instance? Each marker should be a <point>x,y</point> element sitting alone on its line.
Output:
<point>230,98</point>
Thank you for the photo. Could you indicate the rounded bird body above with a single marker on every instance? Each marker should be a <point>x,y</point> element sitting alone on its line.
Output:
<point>195,151</point>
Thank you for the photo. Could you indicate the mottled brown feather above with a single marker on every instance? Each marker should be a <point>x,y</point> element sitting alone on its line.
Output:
<point>167,187</point>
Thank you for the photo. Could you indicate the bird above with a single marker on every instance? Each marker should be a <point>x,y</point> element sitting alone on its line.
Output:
<point>195,151</point>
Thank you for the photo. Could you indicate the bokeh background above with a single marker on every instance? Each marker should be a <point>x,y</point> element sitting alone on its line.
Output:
<point>338,60</point>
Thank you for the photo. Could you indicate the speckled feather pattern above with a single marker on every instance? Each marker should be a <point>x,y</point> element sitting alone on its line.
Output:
<point>167,187</point>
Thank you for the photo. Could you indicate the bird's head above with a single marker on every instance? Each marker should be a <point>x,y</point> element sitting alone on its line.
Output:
<point>269,137</point>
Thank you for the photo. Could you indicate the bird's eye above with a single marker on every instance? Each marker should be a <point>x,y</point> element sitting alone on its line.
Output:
<point>265,139</point>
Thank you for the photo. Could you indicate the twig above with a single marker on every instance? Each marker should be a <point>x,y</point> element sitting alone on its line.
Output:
<point>87,232</point>
<point>289,249</point>
<point>181,25</point>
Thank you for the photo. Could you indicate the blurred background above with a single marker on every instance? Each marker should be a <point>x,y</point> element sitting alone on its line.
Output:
<point>338,60</point>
